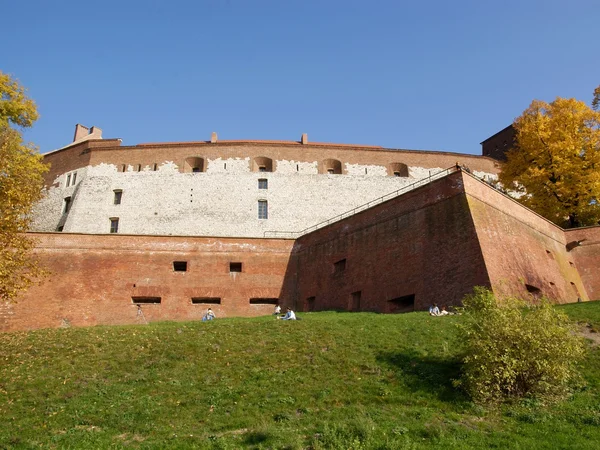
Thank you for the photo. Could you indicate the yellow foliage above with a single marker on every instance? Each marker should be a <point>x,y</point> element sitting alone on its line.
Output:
<point>21,182</point>
<point>555,164</point>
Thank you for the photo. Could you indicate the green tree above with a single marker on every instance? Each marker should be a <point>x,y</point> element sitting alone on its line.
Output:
<point>516,350</point>
<point>554,166</point>
<point>21,182</point>
<point>596,99</point>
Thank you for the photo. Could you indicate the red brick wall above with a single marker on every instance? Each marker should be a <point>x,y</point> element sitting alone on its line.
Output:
<point>94,276</point>
<point>521,247</point>
<point>421,243</point>
<point>587,257</point>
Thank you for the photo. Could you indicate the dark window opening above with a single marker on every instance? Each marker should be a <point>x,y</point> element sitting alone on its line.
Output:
<point>139,167</point>
<point>114,225</point>
<point>262,169</point>
<point>331,171</point>
<point>396,174</point>
<point>235,267</point>
<point>196,169</point>
<point>264,301</point>
<point>263,183</point>
<point>355,301</point>
<point>67,205</point>
<point>155,167</point>
<point>403,304</point>
<point>309,306</point>
<point>206,300</point>
<point>339,266</point>
<point>68,180</point>
<point>123,168</point>
<point>118,195</point>
<point>180,266</point>
<point>398,169</point>
<point>74,180</point>
<point>146,300</point>
<point>533,290</point>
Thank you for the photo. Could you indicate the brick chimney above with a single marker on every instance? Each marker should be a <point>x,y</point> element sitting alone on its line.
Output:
<point>213,138</point>
<point>304,139</point>
<point>82,133</point>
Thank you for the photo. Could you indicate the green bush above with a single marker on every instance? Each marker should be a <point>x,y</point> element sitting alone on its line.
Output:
<point>516,350</point>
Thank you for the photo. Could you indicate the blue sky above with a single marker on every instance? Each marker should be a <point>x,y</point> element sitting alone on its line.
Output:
<point>436,75</point>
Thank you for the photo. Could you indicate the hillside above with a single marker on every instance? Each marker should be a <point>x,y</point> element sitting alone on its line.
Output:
<point>331,380</point>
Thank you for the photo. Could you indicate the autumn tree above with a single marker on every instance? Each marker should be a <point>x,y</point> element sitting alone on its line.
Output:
<point>554,166</point>
<point>596,99</point>
<point>21,181</point>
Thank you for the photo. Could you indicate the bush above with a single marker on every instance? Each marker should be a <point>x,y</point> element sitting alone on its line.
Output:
<point>516,350</point>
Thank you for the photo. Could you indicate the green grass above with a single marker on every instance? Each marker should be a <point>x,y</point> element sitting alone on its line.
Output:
<point>331,380</point>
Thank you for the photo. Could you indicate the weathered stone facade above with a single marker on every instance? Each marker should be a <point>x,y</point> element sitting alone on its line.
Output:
<point>189,234</point>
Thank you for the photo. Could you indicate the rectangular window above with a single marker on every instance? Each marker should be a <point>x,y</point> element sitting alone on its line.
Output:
<point>235,267</point>
<point>263,183</point>
<point>264,301</point>
<point>123,168</point>
<point>263,209</point>
<point>68,180</point>
<point>262,169</point>
<point>180,266</point>
<point>402,304</point>
<point>155,168</point>
<point>355,301</point>
<point>310,304</point>
<point>206,300</point>
<point>340,266</point>
<point>118,195</point>
<point>146,300</point>
<point>74,179</point>
<point>114,225</point>
<point>139,167</point>
<point>66,205</point>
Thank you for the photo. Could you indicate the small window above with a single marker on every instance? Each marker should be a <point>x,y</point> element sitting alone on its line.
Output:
<point>123,167</point>
<point>263,183</point>
<point>146,300</point>
<point>196,169</point>
<point>74,180</point>
<point>180,266</point>
<point>339,266</point>
<point>68,180</point>
<point>66,205</point>
<point>262,169</point>
<point>206,300</point>
<point>402,304</point>
<point>155,167</point>
<point>263,209</point>
<point>534,290</point>
<point>118,195</point>
<point>235,267</point>
<point>309,306</point>
<point>114,225</point>
<point>355,301</point>
<point>139,167</point>
<point>264,301</point>
<point>331,171</point>
<point>397,174</point>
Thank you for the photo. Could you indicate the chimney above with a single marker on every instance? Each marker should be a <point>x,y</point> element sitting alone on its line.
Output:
<point>95,133</point>
<point>304,139</point>
<point>80,132</point>
<point>213,138</point>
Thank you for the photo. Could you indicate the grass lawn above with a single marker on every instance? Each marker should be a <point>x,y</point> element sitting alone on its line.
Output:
<point>331,380</point>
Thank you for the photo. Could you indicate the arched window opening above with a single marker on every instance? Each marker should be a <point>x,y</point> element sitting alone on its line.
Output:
<point>398,170</point>
<point>194,164</point>
<point>262,164</point>
<point>331,166</point>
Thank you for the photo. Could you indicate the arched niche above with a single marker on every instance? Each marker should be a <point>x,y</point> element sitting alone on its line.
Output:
<point>398,170</point>
<point>194,164</point>
<point>262,164</point>
<point>331,166</point>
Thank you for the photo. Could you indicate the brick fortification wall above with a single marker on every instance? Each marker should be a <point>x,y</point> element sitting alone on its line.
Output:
<point>421,246</point>
<point>584,247</point>
<point>94,278</point>
<point>523,252</point>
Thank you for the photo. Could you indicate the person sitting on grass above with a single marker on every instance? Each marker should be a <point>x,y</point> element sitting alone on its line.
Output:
<point>434,310</point>
<point>210,315</point>
<point>443,312</point>
<point>277,310</point>
<point>289,315</point>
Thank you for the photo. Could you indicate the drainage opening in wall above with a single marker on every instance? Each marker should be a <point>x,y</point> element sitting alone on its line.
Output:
<point>264,301</point>
<point>180,266</point>
<point>206,300</point>
<point>403,304</point>
<point>146,300</point>
<point>534,290</point>
<point>235,267</point>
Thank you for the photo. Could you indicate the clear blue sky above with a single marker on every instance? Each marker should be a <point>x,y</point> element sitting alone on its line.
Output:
<point>439,75</point>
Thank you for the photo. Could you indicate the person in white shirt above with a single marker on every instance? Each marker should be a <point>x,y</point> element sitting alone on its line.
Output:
<point>210,315</point>
<point>277,310</point>
<point>289,315</point>
<point>434,310</point>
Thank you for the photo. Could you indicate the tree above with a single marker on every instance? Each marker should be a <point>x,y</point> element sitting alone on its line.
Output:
<point>21,182</point>
<point>596,99</point>
<point>554,166</point>
<point>515,350</point>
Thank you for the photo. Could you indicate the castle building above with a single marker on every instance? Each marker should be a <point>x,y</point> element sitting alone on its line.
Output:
<point>162,231</point>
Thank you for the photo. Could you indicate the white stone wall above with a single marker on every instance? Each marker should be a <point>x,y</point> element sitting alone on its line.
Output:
<point>223,201</point>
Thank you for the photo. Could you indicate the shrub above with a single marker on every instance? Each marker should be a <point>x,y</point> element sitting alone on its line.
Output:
<point>516,350</point>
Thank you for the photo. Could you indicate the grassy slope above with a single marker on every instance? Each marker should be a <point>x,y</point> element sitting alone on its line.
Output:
<point>332,380</point>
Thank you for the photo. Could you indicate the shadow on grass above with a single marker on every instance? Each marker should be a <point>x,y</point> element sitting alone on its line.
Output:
<point>427,374</point>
